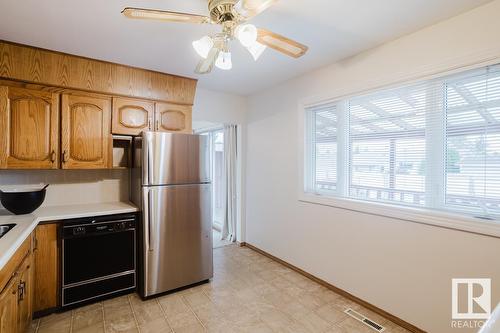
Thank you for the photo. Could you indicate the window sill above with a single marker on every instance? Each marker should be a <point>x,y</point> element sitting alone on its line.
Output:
<point>417,215</point>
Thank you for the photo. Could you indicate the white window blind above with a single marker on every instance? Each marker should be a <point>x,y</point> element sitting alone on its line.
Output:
<point>473,142</point>
<point>323,146</point>
<point>432,144</point>
<point>387,136</point>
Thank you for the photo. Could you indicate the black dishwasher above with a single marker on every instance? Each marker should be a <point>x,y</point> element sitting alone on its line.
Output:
<point>98,257</point>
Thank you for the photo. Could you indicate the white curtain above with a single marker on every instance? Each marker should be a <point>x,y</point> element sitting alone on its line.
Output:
<point>230,155</point>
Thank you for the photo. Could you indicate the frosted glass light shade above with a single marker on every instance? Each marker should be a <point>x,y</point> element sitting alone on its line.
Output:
<point>246,34</point>
<point>203,45</point>
<point>224,61</point>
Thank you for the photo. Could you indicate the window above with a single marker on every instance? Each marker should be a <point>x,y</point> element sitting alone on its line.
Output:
<point>324,148</point>
<point>433,144</point>
<point>387,146</point>
<point>473,142</point>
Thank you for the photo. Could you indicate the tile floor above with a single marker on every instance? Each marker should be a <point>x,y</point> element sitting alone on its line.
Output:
<point>249,293</point>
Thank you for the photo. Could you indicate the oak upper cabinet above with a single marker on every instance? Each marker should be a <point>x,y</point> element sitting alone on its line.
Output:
<point>29,129</point>
<point>85,131</point>
<point>46,259</point>
<point>173,118</point>
<point>131,116</point>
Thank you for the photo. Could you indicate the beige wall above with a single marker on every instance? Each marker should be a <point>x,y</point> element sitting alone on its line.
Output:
<point>214,107</point>
<point>402,267</point>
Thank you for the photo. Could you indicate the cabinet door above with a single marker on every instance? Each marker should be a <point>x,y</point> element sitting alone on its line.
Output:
<point>173,118</point>
<point>86,133</point>
<point>25,300</point>
<point>8,307</point>
<point>46,278</point>
<point>131,116</point>
<point>29,123</point>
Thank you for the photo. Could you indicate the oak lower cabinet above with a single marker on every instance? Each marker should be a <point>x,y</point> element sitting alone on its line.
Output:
<point>131,116</point>
<point>85,131</point>
<point>29,129</point>
<point>8,308</point>
<point>46,258</point>
<point>16,295</point>
<point>173,118</point>
<point>25,294</point>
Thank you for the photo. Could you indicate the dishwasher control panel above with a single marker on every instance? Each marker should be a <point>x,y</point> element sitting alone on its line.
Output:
<point>85,227</point>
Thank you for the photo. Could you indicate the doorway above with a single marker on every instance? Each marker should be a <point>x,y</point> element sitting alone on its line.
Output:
<point>216,138</point>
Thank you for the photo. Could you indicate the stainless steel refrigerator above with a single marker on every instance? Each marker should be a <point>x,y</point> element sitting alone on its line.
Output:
<point>171,183</point>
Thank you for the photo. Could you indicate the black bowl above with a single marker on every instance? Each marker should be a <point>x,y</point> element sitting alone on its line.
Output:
<point>22,202</point>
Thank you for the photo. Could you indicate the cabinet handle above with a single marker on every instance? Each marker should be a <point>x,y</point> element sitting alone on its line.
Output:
<point>53,156</point>
<point>149,123</point>
<point>157,124</point>
<point>21,287</point>
<point>64,156</point>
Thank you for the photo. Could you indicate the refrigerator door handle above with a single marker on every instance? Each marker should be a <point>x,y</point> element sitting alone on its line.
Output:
<point>147,218</point>
<point>147,158</point>
<point>149,244</point>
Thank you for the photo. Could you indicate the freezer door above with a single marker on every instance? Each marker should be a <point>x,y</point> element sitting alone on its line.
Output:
<point>174,158</point>
<point>177,237</point>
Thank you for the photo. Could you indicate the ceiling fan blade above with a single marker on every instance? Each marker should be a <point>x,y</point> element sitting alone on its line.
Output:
<point>281,43</point>
<point>250,8</point>
<point>163,15</point>
<point>206,65</point>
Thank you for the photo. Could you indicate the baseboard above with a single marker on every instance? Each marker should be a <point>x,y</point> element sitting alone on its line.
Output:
<point>242,244</point>
<point>342,292</point>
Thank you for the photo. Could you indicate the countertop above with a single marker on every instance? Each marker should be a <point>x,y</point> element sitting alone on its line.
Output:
<point>25,224</point>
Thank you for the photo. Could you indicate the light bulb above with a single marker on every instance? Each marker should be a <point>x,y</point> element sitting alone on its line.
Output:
<point>224,61</point>
<point>256,49</point>
<point>203,45</point>
<point>246,34</point>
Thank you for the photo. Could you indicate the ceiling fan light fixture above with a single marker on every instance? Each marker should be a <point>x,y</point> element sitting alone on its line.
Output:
<point>156,15</point>
<point>283,45</point>
<point>250,8</point>
<point>246,34</point>
<point>232,17</point>
<point>206,65</point>
<point>203,46</point>
<point>224,61</point>
<point>256,49</point>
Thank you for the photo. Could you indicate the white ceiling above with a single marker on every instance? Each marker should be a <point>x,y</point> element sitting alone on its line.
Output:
<point>333,29</point>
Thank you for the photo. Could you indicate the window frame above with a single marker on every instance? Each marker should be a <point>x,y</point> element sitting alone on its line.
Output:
<point>435,182</point>
<point>310,175</point>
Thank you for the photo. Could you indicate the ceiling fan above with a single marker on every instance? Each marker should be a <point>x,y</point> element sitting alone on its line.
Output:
<point>232,15</point>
